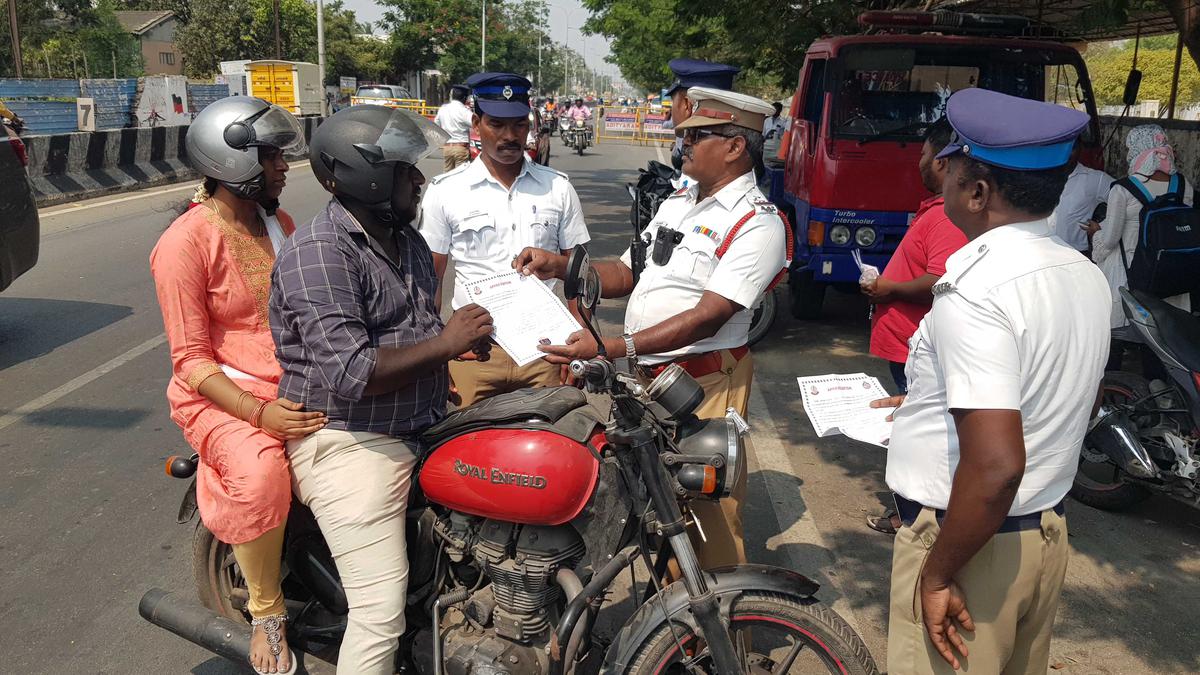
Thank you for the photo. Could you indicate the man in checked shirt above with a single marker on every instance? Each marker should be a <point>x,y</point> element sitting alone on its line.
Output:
<point>359,338</point>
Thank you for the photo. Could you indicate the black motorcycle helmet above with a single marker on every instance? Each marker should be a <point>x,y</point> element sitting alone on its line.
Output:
<point>356,151</point>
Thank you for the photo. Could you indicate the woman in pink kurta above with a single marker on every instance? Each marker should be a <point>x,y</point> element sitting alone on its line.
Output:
<point>212,271</point>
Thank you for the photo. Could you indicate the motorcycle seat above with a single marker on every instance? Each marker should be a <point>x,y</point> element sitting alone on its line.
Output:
<point>1179,330</point>
<point>547,404</point>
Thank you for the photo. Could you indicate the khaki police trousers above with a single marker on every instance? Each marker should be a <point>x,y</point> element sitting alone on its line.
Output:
<point>1012,587</point>
<point>454,154</point>
<point>357,485</point>
<point>723,542</point>
<point>477,380</point>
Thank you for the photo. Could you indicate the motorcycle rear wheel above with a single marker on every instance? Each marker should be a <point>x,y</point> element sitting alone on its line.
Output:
<point>220,585</point>
<point>1099,484</point>
<point>821,641</point>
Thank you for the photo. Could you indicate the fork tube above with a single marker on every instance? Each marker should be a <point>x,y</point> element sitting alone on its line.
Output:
<point>704,605</point>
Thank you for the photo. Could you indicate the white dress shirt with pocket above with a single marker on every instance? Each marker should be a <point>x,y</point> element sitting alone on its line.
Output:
<point>1019,322</point>
<point>482,225</point>
<point>753,260</point>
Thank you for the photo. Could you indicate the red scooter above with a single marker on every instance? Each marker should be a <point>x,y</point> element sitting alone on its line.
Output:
<point>527,508</point>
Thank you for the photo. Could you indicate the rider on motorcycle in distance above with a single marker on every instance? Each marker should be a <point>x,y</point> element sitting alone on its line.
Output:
<point>359,337</point>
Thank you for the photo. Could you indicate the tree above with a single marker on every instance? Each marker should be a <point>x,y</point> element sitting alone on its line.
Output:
<point>230,30</point>
<point>71,38</point>
<point>1109,68</point>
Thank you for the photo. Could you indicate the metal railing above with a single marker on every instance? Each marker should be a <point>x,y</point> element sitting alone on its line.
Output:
<point>416,105</point>
<point>643,126</point>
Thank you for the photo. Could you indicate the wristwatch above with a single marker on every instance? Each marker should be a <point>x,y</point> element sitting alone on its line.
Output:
<point>630,351</point>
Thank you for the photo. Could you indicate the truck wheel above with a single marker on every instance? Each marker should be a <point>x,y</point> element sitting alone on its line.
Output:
<point>763,318</point>
<point>807,295</point>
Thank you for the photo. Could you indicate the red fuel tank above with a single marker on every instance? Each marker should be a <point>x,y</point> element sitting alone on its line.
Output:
<point>517,475</point>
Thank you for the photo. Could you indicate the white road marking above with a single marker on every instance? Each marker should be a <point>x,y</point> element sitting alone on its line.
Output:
<point>771,454</point>
<point>658,151</point>
<point>141,194</point>
<point>81,381</point>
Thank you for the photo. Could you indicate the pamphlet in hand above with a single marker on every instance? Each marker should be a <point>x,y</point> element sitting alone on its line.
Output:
<point>525,314</point>
<point>842,404</point>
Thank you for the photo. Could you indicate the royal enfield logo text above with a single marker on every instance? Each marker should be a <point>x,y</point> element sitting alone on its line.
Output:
<point>498,477</point>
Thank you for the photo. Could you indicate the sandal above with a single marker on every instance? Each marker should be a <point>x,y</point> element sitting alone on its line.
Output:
<point>271,626</point>
<point>883,523</point>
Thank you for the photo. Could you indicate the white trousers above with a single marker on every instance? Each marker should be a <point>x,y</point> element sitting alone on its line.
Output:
<point>357,484</point>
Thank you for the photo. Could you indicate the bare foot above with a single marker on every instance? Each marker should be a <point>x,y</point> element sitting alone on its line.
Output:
<point>268,639</point>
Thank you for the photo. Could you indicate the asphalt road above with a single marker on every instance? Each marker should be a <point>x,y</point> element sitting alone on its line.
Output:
<point>87,518</point>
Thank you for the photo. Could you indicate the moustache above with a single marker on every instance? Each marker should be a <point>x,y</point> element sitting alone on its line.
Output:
<point>510,146</point>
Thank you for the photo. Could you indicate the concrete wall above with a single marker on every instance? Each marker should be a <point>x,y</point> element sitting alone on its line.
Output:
<point>73,166</point>
<point>1184,135</point>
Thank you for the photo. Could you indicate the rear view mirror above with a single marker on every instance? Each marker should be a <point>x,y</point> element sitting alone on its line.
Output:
<point>1132,84</point>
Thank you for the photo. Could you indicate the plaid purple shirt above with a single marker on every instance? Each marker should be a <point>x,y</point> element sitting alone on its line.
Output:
<point>336,299</point>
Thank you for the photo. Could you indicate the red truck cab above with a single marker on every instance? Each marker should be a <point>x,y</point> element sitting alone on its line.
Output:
<point>849,177</point>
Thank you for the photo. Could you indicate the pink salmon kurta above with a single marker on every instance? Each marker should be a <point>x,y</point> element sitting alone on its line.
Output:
<point>213,283</point>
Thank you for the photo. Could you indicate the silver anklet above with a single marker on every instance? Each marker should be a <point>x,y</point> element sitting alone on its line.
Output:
<point>270,626</point>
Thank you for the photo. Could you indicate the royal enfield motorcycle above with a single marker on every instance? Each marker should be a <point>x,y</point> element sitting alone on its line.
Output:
<point>1146,438</point>
<point>577,136</point>
<point>527,509</point>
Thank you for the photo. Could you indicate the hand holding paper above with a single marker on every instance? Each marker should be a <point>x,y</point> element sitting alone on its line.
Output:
<point>525,313</point>
<point>842,404</point>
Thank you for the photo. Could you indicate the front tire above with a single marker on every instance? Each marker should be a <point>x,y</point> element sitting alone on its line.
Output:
<point>821,640</point>
<point>1099,483</point>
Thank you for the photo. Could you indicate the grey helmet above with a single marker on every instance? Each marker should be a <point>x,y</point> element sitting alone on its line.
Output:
<point>355,152</point>
<point>223,141</point>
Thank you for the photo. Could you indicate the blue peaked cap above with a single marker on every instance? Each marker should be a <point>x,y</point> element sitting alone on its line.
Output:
<point>500,94</point>
<point>1012,132</point>
<point>696,73</point>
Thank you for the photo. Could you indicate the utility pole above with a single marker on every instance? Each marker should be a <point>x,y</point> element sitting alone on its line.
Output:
<point>14,31</point>
<point>321,53</point>
<point>483,35</point>
<point>278,42</point>
<point>539,79</point>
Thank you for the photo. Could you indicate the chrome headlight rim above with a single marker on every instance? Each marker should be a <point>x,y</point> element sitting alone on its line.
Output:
<point>871,236</point>
<point>840,232</point>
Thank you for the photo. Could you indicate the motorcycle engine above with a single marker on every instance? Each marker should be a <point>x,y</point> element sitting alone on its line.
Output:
<point>504,627</point>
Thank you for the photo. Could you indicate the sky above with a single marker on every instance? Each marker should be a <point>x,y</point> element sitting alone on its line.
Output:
<point>561,12</point>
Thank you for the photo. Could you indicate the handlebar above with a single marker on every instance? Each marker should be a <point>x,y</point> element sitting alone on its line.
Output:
<point>593,371</point>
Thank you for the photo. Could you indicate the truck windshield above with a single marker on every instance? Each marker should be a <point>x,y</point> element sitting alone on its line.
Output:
<point>883,92</point>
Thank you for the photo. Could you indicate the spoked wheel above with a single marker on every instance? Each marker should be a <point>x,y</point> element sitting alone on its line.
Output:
<point>219,581</point>
<point>1099,482</point>
<point>774,634</point>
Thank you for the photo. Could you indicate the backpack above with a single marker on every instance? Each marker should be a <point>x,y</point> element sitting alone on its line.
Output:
<point>1167,256</point>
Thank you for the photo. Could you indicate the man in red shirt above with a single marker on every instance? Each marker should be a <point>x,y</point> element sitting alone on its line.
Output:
<point>903,294</point>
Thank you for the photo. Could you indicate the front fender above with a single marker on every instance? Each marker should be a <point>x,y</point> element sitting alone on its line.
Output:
<point>728,583</point>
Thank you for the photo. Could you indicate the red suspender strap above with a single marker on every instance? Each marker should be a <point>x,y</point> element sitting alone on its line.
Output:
<point>787,228</point>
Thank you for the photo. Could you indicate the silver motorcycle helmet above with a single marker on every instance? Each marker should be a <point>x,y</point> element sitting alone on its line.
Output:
<point>224,138</point>
<point>355,152</point>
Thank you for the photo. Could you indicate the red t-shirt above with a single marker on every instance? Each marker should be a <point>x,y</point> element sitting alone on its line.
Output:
<point>928,242</point>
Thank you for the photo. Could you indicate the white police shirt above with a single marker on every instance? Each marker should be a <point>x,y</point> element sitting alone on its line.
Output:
<point>1019,322</point>
<point>754,258</point>
<point>1086,188</point>
<point>455,119</point>
<point>482,225</point>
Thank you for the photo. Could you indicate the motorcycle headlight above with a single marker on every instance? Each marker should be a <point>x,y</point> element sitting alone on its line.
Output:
<point>865,236</point>
<point>723,439</point>
<point>839,234</point>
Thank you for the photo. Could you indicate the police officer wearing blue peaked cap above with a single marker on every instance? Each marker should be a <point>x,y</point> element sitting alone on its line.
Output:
<point>1003,372</point>
<point>500,94</point>
<point>482,214</point>
<point>693,73</point>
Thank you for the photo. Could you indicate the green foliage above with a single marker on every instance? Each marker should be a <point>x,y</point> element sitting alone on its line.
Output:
<point>70,38</point>
<point>1156,60</point>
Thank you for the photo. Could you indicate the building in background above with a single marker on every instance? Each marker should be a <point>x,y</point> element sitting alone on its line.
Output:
<point>155,32</point>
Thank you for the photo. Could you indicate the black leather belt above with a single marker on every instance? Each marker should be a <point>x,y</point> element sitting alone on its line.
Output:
<point>909,510</point>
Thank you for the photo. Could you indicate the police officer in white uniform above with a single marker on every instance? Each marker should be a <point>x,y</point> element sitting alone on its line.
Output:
<point>483,214</point>
<point>718,246</point>
<point>1003,373</point>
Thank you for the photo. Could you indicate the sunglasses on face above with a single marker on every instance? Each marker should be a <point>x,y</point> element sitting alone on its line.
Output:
<point>697,135</point>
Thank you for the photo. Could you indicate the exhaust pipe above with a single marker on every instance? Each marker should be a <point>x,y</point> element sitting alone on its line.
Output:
<point>200,625</point>
<point>1114,434</point>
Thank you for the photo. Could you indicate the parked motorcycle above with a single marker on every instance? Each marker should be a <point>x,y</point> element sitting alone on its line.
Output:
<point>1144,440</point>
<point>512,556</point>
